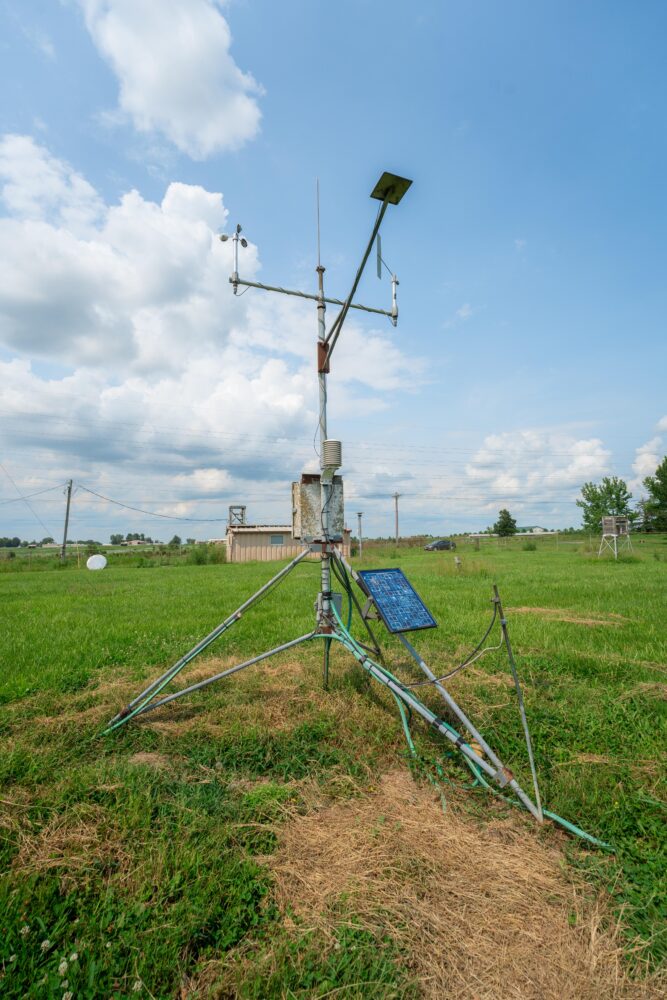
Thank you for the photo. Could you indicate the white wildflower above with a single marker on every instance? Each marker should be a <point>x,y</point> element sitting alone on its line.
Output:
<point>45,945</point>
<point>137,986</point>
<point>64,984</point>
<point>108,944</point>
<point>74,956</point>
<point>25,930</point>
<point>12,958</point>
<point>68,996</point>
<point>62,968</point>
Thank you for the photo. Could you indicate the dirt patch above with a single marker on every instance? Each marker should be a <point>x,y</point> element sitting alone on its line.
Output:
<point>572,617</point>
<point>482,911</point>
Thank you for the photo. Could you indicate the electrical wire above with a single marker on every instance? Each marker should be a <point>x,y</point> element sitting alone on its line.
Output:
<point>25,501</point>
<point>475,655</point>
<point>152,513</point>
<point>28,496</point>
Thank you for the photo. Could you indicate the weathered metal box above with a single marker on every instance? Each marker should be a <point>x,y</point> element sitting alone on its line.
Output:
<point>306,521</point>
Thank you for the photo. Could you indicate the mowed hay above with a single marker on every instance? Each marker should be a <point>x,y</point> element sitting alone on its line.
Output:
<point>572,617</point>
<point>480,911</point>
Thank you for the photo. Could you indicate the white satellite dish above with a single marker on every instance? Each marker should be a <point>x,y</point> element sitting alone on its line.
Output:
<point>96,562</point>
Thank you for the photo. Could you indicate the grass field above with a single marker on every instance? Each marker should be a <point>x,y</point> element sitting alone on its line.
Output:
<point>264,838</point>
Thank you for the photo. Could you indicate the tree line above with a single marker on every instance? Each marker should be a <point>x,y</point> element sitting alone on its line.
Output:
<point>611,497</point>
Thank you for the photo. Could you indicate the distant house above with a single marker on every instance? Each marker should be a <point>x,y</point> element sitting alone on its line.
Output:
<point>265,542</point>
<point>532,529</point>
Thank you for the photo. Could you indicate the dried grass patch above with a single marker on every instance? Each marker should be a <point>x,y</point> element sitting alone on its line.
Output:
<point>573,617</point>
<point>655,689</point>
<point>71,845</point>
<point>158,761</point>
<point>481,911</point>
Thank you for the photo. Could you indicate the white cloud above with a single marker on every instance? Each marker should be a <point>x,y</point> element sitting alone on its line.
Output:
<point>36,185</point>
<point>175,72</point>
<point>465,312</point>
<point>146,374</point>
<point>662,424</point>
<point>535,466</point>
<point>647,459</point>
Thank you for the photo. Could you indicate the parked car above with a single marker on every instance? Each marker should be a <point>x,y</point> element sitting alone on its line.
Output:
<point>443,544</point>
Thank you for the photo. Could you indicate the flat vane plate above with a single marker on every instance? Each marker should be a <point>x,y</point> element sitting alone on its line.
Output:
<point>390,187</point>
<point>400,606</point>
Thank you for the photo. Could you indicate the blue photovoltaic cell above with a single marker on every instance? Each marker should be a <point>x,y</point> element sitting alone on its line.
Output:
<point>400,606</point>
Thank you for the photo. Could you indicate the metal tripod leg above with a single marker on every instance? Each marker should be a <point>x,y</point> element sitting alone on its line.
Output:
<point>519,695</point>
<point>226,673</point>
<point>325,665</point>
<point>406,696</point>
<point>502,775</point>
<point>169,674</point>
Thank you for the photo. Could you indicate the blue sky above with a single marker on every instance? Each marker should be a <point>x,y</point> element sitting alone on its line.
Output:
<point>530,353</point>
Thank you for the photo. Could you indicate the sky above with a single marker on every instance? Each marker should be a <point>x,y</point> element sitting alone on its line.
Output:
<point>530,351</point>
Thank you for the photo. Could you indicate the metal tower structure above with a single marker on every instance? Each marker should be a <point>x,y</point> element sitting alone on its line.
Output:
<point>389,598</point>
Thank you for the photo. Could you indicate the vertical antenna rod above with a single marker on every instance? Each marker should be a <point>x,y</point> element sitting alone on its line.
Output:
<point>396,496</point>
<point>318,222</point>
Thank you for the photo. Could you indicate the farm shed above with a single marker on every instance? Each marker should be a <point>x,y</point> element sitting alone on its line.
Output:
<point>264,542</point>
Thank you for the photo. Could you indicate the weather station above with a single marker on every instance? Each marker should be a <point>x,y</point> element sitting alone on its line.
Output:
<point>379,596</point>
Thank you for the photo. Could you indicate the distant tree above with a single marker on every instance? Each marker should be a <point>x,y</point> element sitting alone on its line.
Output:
<point>175,541</point>
<point>609,497</point>
<point>116,539</point>
<point>10,543</point>
<point>505,525</point>
<point>47,541</point>
<point>190,541</point>
<point>655,507</point>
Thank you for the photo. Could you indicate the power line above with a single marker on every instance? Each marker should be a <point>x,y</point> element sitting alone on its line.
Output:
<point>25,500</point>
<point>152,513</point>
<point>28,496</point>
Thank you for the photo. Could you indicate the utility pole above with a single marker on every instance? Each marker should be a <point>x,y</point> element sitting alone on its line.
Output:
<point>359,536</point>
<point>396,496</point>
<point>63,551</point>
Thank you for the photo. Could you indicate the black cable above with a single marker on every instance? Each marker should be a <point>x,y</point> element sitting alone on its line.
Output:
<point>468,659</point>
<point>152,513</point>
<point>28,496</point>
<point>345,584</point>
<point>21,497</point>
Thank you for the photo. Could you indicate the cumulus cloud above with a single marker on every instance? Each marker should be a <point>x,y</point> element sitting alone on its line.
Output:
<point>127,350</point>
<point>38,186</point>
<point>647,458</point>
<point>175,72</point>
<point>535,466</point>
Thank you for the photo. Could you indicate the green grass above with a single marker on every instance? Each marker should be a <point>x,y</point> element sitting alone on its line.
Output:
<point>173,877</point>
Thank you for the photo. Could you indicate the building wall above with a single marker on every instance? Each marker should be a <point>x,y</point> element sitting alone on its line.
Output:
<point>248,546</point>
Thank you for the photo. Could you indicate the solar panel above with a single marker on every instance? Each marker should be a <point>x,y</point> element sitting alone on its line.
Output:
<point>400,606</point>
